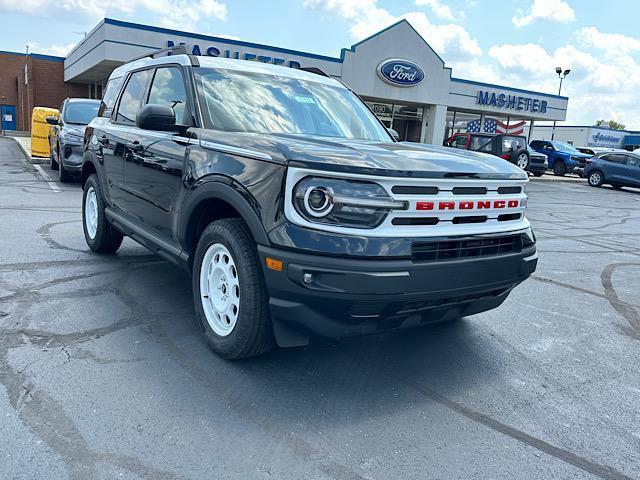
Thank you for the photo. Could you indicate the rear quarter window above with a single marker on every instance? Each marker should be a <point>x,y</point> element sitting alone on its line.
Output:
<point>109,97</point>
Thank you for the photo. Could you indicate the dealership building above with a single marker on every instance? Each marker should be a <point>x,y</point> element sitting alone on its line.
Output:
<point>404,81</point>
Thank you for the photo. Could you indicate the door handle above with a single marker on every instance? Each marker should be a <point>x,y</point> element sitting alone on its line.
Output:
<point>103,140</point>
<point>134,146</point>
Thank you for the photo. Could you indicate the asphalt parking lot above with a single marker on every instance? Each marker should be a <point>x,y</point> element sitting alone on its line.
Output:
<point>105,373</point>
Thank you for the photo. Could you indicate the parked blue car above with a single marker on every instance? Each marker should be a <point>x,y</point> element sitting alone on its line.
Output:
<point>562,157</point>
<point>616,169</point>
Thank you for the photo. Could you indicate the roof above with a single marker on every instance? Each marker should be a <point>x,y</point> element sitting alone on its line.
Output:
<point>228,64</point>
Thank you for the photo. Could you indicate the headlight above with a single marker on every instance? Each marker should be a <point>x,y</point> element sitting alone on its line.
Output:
<point>346,203</point>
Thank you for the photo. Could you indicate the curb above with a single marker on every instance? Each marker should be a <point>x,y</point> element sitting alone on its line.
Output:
<point>28,157</point>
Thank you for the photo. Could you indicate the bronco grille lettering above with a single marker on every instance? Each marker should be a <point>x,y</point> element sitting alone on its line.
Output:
<point>470,205</point>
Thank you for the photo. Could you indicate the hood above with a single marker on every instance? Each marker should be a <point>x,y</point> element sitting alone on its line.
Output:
<point>397,159</point>
<point>74,129</point>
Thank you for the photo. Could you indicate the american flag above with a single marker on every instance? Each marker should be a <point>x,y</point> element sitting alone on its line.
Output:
<point>491,125</point>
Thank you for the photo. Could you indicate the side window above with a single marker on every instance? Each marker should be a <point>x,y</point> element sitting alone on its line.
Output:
<point>132,97</point>
<point>460,141</point>
<point>487,147</point>
<point>511,144</point>
<point>615,158</point>
<point>476,143</point>
<point>168,89</point>
<point>109,97</point>
<point>633,160</point>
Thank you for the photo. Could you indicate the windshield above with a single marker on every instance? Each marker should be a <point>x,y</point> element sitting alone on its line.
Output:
<point>80,113</point>
<point>254,102</point>
<point>564,147</point>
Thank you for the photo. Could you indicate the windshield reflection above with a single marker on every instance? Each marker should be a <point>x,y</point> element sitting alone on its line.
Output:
<point>251,102</point>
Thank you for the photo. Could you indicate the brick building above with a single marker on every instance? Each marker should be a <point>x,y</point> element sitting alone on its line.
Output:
<point>33,80</point>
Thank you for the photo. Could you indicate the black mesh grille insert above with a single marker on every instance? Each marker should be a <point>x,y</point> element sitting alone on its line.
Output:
<point>504,190</point>
<point>414,190</point>
<point>440,250</point>
<point>469,190</point>
<point>470,219</point>
<point>415,221</point>
<point>505,217</point>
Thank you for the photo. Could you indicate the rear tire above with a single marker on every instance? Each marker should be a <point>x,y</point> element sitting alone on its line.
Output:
<point>231,300</point>
<point>559,168</point>
<point>537,174</point>
<point>595,178</point>
<point>521,159</point>
<point>100,236</point>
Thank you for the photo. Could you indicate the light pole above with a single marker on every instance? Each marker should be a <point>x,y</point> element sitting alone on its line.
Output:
<point>561,75</point>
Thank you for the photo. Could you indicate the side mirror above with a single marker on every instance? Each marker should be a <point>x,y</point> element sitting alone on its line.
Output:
<point>156,117</point>
<point>394,134</point>
<point>52,120</point>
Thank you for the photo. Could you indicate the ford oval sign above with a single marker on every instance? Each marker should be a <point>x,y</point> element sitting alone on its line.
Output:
<point>401,73</point>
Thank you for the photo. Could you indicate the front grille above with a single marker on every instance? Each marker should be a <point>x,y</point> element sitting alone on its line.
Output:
<point>441,250</point>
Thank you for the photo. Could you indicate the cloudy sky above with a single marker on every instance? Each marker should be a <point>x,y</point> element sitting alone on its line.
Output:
<point>514,42</point>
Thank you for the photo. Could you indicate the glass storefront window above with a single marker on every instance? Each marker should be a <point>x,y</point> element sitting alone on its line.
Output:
<point>404,119</point>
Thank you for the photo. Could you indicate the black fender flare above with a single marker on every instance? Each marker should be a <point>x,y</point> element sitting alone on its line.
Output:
<point>222,189</point>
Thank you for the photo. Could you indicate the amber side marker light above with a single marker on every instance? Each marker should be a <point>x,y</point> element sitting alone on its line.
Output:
<point>274,264</point>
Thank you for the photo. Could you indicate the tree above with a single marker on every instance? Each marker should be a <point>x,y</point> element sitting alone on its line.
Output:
<point>612,124</point>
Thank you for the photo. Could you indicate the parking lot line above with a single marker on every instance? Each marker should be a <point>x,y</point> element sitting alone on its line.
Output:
<point>47,178</point>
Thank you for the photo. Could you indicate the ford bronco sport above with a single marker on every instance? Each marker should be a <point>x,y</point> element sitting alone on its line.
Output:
<point>293,207</point>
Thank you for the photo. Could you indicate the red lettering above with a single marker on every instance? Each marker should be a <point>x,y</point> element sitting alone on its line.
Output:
<point>499,204</point>
<point>484,204</point>
<point>424,206</point>
<point>512,203</point>
<point>466,205</point>
<point>447,205</point>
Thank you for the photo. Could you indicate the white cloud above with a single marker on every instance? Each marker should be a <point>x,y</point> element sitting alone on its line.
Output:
<point>597,87</point>
<point>556,10</point>
<point>55,50</point>
<point>178,13</point>
<point>367,18</point>
<point>440,9</point>
<point>612,42</point>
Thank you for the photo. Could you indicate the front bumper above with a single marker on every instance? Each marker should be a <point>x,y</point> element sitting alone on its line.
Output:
<point>538,165</point>
<point>331,297</point>
<point>72,157</point>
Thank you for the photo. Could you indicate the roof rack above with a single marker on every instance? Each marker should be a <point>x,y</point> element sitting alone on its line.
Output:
<point>163,52</point>
<point>315,70</point>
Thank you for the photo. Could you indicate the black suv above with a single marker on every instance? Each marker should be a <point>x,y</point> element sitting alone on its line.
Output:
<point>293,207</point>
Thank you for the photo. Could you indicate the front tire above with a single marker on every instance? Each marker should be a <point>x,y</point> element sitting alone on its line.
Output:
<point>595,178</point>
<point>63,175</point>
<point>100,236</point>
<point>559,168</point>
<point>229,294</point>
<point>52,163</point>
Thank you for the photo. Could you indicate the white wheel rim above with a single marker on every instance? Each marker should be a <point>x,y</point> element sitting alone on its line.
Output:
<point>522,161</point>
<point>220,289</point>
<point>91,212</point>
<point>594,178</point>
